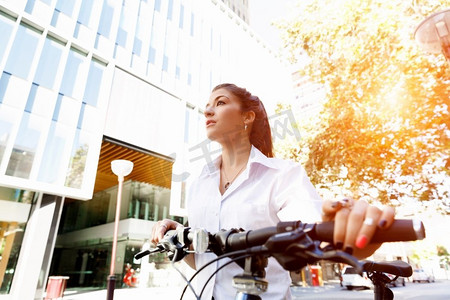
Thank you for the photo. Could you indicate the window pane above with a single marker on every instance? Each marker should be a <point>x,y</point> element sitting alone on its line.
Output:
<point>90,121</point>
<point>8,117</point>
<point>170,10</point>
<point>70,85</point>
<point>67,110</point>
<point>6,26</point>
<point>22,52</point>
<point>192,24</point>
<point>121,38</point>
<point>104,27</point>
<point>152,55</point>
<point>65,7</point>
<point>78,158</point>
<point>4,80</point>
<point>25,146</point>
<point>158,5</point>
<point>10,248</point>
<point>85,12</point>
<point>93,83</point>
<point>16,195</point>
<point>41,101</point>
<point>52,160</point>
<point>12,229</point>
<point>48,63</point>
<point>165,66</point>
<point>126,24</point>
<point>143,29</point>
<point>31,98</point>
<point>181,22</point>
<point>30,5</point>
<point>81,116</point>
<point>137,46</point>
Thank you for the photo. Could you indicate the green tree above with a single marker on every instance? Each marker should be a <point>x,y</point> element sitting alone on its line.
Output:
<point>385,127</point>
<point>77,165</point>
<point>444,256</point>
<point>423,251</point>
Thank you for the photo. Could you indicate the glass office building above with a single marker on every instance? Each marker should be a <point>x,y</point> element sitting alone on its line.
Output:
<point>85,82</point>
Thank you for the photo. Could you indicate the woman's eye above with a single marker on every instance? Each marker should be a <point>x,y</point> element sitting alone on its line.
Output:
<point>220,102</point>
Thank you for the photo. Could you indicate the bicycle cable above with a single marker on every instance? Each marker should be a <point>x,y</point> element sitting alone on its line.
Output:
<point>211,262</point>
<point>188,282</point>
<point>220,268</point>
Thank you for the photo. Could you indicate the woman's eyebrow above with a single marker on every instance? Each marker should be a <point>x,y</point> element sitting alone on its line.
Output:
<point>217,98</point>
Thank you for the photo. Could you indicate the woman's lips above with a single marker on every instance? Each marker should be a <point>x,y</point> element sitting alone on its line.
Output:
<point>210,122</point>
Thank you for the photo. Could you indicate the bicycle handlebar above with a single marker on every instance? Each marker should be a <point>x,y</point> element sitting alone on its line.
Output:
<point>234,240</point>
<point>400,231</point>
<point>293,244</point>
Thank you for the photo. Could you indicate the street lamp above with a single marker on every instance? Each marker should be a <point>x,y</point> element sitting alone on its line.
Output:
<point>433,34</point>
<point>121,168</point>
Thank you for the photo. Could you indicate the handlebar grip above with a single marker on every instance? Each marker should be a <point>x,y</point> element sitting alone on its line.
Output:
<point>400,231</point>
<point>243,240</point>
<point>257,237</point>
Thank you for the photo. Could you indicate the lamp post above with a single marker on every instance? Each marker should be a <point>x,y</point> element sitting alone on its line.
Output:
<point>121,168</point>
<point>433,33</point>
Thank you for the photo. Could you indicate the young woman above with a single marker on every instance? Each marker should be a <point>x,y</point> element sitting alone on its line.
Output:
<point>245,187</point>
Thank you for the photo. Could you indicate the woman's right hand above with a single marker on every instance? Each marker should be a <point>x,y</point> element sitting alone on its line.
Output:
<point>161,227</point>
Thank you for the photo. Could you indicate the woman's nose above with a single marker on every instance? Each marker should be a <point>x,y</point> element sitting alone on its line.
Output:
<point>209,112</point>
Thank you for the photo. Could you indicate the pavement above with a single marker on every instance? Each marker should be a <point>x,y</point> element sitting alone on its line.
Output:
<point>125,293</point>
<point>172,292</point>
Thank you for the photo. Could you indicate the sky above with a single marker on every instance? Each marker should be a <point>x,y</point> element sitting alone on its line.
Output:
<point>263,12</point>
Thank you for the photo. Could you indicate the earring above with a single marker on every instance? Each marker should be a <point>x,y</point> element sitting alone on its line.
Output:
<point>245,127</point>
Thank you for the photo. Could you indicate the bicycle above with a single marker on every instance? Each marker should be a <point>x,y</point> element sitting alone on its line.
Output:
<point>292,244</point>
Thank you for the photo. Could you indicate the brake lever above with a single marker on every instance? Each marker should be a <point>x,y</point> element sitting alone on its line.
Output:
<point>295,249</point>
<point>338,256</point>
<point>143,253</point>
<point>175,242</point>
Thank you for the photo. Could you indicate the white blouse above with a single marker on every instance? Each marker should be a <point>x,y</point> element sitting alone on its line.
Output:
<point>269,190</point>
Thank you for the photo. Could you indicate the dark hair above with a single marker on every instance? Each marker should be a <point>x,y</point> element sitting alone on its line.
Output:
<point>260,135</point>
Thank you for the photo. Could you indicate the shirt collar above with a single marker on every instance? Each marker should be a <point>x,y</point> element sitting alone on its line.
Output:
<point>256,157</point>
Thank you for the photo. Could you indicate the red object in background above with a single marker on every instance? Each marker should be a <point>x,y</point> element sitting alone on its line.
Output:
<point>55,287</point>
<point>129,279</point>
<point>315,276</point>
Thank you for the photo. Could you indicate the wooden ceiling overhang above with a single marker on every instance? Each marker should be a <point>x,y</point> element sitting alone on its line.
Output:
<point>148,167</point>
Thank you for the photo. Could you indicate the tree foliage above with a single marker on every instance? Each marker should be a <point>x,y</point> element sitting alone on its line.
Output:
<point>444,256</point>
<point>385,126</point>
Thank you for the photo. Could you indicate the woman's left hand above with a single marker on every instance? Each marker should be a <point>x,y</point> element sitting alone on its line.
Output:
<point>355,223</point>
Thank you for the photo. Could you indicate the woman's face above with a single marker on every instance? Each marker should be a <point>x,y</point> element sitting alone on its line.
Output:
<point>224,118</point>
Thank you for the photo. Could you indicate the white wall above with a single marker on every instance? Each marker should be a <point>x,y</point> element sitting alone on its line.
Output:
<point>143,115</point>
<point>14,211</point>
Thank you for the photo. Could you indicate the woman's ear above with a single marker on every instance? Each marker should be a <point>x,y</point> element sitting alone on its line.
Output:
<point>249,117</point>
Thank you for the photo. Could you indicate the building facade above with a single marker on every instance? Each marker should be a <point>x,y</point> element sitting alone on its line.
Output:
<point>240,7</point>
<point>85,82</point>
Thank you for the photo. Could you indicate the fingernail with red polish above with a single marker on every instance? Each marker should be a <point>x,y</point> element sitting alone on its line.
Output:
<point>361,242</point>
